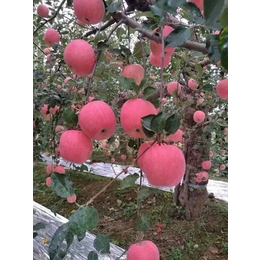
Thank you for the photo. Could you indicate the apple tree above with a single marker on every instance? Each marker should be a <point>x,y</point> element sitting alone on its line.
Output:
<point>149,75</point>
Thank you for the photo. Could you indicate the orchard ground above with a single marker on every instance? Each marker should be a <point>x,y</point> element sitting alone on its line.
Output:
<point>176,238</point>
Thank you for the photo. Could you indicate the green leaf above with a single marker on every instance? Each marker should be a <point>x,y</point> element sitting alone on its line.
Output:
<point>70,116</point>
<point>82,220</point>
<point>84,168</point>
<point>35,234</point>
<point>142,223</point>
<point>198,68</point>
<point>143,193</point>
<point>157,11</point>
<point>61,184</point>
<point>196,146</point>
<point>146,121</point>
<point>119,32</point>
<point>193,11</point>
<point>224,18</point>
<point>92,256</point>
<point>207,87</point>
<point>38,226</point>
<point>138,50</point>
<point>69,3</point>
<point>223,47</point>
<point>102,46</point>
<point>158,122</point>
<point>172,124</point>
<point>149,91</point>
<point>129,181</point>
<point>55,249</point>
<point>113,7</point>
<point>212,47</point>
<point>101,244</point>
<point>126,50</point>
<point>213,10</point>
<point>116,51</point>
<point>178,37</point>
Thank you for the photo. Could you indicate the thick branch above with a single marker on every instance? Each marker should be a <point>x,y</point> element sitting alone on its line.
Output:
<point>150,34</point>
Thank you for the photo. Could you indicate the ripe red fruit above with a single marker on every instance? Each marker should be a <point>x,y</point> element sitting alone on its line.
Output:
<point>47,51</point>
<point>48,181</point>
<point>75,146</point>
<point>163,165</point>
<point>43,10</point>
<point>156,60</point>
<point>72,198</point>
<point>174,86</point>
<point>97,120</point>
<point>133,71</point>
<point>59,169</point>
<point>34,124</point>
<point>222,89</point>
<point>143,250</point>
<point>131,113</point>
<point>113,160</point>
<point>123,157</point>
<point>201,177</point>
<point>51,36</point>
<point>176,137</point>
<point>141,152</point>
<point>53,110</point>
<point>49,168</point>
<point>206,165</point>
<point>210,153</point>
<point>156,48</point>
<point>59,129</point>
<point>44,109</point>
<point>80,57</point>
<point>225,131</point>
<point>199,116</point>
<point>89,11</point>
<point>222,167</point>
<point>223,152</point>
<point>193,84</point>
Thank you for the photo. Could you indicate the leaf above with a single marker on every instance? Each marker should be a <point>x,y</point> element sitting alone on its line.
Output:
<point>126,50</point>
<point>172,124</point>
<point>143,193</point>
<point>35,234</point>
<point>146,125</point>
<point>55,248</point>
<point>198,68</point>
<point>38,226</point>
<point>84,168</point>
<point>138,50</point>
<point>102,46</point>
<point>101,244</point>
<point>212,47</point>
<point>142,223</point>
<point>207,87</point>
<point>92,256</point>
<point>196,146</point>
<point>157,11</point>
<point>116,51</point>
<point>70,116</point>
<point>120,32</point>
<point>69,3</point>
<point>129,181</point>
<point>149,91</point>
<point>212,10</point>
<point>178,37</point>
<point>223,47</point>
<point>158,123</point>
<point>193,11</point>
<point>82,220</point>
<point>224,18</point>
<point>113,7</point>
<point>61,184</point>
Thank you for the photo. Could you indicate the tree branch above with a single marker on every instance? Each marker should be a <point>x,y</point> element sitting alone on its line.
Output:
<point>201,47</point>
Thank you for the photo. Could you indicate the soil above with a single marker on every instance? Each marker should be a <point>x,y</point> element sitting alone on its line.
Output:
<point>205,238</point>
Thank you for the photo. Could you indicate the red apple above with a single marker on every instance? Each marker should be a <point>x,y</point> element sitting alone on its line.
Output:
<point>156,48</point>
<point>156,60</point>
<point>210,153</point>
<point>199,116</point>
<point>89,11</point>
<point>176,137</point>
<point>133,71</point>
<point>48,181</point>
<point>201,177</point>
<point>123,157</point>
<point>141,151</point>
<point>72,198</point>
<point>42,10</point>
<point>206,165</point>
<point>222,89</point>
<point>193,84</point>
<point>47,51</point>
<point>174,86</point>
<point>223,152</point>
<point>80,57</point>
<point>59,169</point>
<point>97,120</point>
<point>131,113</point>
<point>143,250</point>
<point>225,131</point>
<point>75,146</point>
<point>49,168</point>
<point>44,109</point>
<point>163,165</point>
<point>222,167</point>
<point>51,36</point>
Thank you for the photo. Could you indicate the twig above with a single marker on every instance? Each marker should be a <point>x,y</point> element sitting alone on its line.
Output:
<point>39,48</point>
<point>162,62</point>
<point>50,19</point>
<point>143,53</point>
<point>118,258</point>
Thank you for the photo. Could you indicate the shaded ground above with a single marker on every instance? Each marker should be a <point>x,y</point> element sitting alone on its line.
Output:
<point>205,238</point>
